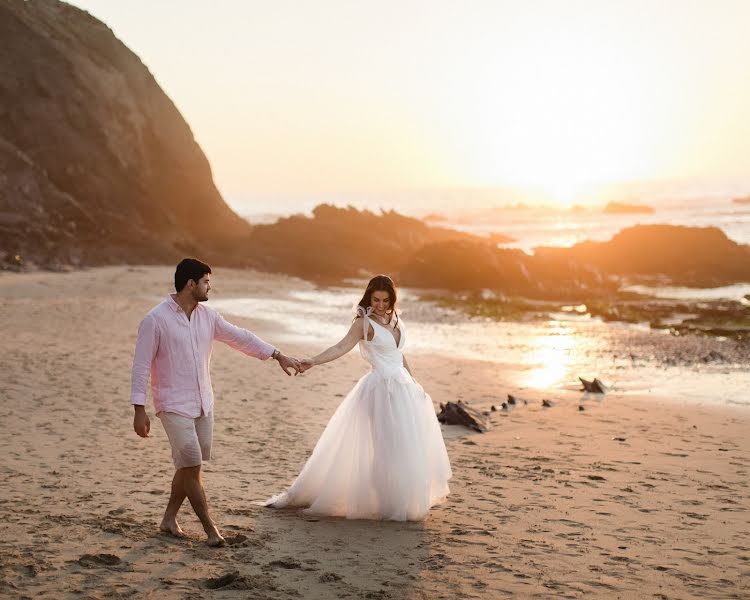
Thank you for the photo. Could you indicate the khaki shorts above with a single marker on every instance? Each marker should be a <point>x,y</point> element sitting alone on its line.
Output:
<point>190,439</point>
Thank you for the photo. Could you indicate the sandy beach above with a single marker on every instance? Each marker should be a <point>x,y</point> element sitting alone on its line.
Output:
<point>632,497</point>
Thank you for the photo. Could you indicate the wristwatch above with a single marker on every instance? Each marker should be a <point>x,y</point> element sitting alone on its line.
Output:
<point>275,353</point>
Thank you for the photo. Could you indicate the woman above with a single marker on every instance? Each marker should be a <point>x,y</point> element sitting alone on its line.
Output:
<point>382,454</point>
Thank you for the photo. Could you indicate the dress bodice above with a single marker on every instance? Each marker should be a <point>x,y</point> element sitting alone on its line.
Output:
<point>382,351</point>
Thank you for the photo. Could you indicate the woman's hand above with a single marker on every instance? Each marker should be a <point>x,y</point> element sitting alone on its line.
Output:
<point>306,364</point>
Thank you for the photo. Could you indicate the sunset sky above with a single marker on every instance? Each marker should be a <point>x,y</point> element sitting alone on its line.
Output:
<point>293,97</point>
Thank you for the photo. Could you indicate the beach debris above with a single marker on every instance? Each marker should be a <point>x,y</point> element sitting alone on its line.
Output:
<point>714,356</point>
<point>458,413</point>
<point>580,407</point>
<point>547,403</point>
<point>493,408</point>
<point>511,399</point>
<point>595,387</point>
<point>619,439</point>
<point>595,478</point>
<point>505,406</point>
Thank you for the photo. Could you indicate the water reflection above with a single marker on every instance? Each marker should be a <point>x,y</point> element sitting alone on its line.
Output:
<point>550,356</point>
<point>534,354</point>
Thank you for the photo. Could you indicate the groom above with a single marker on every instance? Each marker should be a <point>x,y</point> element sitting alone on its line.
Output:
<point>174,348</point>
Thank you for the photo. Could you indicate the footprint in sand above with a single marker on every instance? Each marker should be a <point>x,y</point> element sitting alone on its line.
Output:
<point>99,560</point>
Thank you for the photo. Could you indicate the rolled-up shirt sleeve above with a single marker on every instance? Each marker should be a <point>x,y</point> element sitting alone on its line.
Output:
<point>145,349</point>
<point>241,339</point>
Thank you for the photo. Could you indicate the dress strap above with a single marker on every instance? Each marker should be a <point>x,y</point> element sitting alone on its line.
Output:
<point>365,314</point>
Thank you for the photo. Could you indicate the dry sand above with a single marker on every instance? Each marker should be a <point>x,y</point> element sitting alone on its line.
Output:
<point>630,498</point>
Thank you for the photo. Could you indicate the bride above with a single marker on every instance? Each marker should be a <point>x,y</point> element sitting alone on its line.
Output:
<point>382,454</point>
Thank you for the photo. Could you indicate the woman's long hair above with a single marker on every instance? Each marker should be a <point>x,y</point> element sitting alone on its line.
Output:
<point>380,283</point>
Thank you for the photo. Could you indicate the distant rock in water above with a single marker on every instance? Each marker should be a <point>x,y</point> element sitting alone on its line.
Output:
<point>621,208</point>
<point>96,163</point>
<point>689,256</point>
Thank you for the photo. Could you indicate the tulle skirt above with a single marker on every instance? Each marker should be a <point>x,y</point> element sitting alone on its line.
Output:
<point>381,456</point>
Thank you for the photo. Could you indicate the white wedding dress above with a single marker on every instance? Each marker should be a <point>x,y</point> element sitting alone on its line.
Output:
<point>382,454</point>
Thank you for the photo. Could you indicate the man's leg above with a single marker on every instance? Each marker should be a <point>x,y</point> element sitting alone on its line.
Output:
<point>193,486</point>
<point>177,496</point>
<point>191,441</point>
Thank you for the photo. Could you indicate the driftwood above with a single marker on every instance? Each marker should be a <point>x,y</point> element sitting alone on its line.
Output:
<point>458,413</point>
<point>595,387</point>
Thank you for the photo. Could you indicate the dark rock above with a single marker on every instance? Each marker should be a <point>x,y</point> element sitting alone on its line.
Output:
<point>504,406</point>
<point>547,403</point>
<point>691,256</point>
<point>493,408</point>
<point>511,399</point>
<point>458,413</point>
<point>468,264</point>
<point>594,387</point>
<point>714,356</point>
<point>580,407</point>
<point>310,247</point>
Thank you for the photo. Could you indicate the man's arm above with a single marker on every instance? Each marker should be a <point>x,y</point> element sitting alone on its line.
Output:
<point>145,349</point>
<point>249,343</point>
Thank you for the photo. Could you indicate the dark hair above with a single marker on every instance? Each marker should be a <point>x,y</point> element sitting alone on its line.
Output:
<point>379,283</point>
<point>189,268</point>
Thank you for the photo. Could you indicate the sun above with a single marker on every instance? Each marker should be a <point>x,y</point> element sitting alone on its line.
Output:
<point>555,122</point>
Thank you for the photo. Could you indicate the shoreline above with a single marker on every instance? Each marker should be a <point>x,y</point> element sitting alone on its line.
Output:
<point>549,502</point>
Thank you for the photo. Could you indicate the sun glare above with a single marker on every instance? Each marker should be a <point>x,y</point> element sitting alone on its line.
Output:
<point>566,117</point>
<point>550,356</point>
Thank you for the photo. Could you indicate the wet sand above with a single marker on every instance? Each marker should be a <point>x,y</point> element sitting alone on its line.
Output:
<point>630,497</point>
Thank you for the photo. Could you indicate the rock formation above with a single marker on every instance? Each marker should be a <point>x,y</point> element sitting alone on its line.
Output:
<point>96,163</point>
<point>679,255</point>
<point>337,243</point>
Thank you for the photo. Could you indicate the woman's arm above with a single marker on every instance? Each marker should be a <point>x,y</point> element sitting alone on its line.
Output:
<point>354,335</point>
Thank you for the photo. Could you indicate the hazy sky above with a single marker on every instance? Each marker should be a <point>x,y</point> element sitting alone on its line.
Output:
<point>293,96</point>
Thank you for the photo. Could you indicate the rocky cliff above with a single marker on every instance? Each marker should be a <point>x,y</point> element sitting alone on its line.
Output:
<point>96,163</point>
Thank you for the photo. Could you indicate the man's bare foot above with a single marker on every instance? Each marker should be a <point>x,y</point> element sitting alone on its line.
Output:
<point>214,538</point>
<point>172,528</point>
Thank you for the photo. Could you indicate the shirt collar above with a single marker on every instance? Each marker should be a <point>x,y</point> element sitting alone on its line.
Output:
<point>172,304</point>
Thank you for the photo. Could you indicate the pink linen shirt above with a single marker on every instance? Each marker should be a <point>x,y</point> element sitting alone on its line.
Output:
<point>176,352</point>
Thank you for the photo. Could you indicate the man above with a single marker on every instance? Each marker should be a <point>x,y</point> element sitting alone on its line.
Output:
<point>174,347</point>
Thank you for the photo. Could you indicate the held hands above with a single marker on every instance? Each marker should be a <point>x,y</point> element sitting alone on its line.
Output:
<point>306,364</point>
<point>287,362</point>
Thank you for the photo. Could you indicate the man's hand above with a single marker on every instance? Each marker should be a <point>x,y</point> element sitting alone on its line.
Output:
<point>305,364</point>
<point>141,422</point>
<point>287,362</point>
